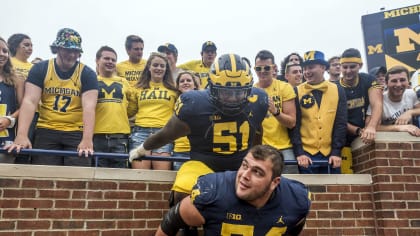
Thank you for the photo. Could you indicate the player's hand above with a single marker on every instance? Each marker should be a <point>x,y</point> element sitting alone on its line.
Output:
<point>137,153</point>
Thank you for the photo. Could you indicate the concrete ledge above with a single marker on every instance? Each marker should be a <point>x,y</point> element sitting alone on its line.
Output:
<point>325,179</point>
<point>399,137</point>
<point>91,173</point>
<point>71,172</point>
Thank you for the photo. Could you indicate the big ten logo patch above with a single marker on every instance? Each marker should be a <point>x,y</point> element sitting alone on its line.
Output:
<point>307,101</point>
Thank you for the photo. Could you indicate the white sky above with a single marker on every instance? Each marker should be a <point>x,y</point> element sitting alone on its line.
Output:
<point>243,27</point>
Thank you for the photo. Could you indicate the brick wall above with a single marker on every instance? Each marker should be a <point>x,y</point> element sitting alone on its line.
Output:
<point>394,164</point>
<point>383,199</point>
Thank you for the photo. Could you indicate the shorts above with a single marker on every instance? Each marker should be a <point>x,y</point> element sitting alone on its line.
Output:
<point>188,174</point>
<point>140,134</point>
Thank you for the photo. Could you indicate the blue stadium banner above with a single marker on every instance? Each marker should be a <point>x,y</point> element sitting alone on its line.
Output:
<point>392,37</point>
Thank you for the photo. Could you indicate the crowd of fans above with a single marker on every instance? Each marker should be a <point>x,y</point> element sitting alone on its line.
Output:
<point>115,107</point>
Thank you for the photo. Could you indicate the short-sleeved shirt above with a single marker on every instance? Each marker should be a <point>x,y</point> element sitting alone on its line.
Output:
<point>114,98</point>
<point>276,134</point>
<point>392,110</point>
<point>155,105</point>
<point>131,71</point>
<point>358,98</point>
<point>22,68</point>
<point>198,67</point>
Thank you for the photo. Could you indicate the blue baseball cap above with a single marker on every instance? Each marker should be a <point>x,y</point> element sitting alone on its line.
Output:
<point>208,46</point>
<point>315,57</point>
<point>168,47</point>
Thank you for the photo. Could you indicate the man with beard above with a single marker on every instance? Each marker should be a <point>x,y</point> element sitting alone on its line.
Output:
<point>221,123</point>
<point>68,91</point>
<point>228,203</point>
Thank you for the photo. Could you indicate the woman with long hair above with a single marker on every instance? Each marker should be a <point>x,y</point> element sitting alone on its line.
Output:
<point>155,95</point>
<point>11,94</point>
<point>185,81</point>
<point>20,48</point>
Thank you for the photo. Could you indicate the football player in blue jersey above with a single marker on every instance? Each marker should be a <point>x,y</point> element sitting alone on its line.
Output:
<point>220,122</point>
<point>255,200</point>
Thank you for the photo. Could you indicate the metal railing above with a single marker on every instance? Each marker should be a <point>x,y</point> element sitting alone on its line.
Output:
<point>97,155</point>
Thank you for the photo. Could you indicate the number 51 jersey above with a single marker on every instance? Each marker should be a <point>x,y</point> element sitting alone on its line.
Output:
<point>218,140</point>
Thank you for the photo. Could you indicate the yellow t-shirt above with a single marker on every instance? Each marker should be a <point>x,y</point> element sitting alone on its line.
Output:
<point>274,133</point>
<point>22,68</point>
<point>114,98</point>
<point>130,71</point>
<point>198,67</point>
<point>155,105</point>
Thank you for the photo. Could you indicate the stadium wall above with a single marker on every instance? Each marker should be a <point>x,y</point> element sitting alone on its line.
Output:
<point>381,199</point>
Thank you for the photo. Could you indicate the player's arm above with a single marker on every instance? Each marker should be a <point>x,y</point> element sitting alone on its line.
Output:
<point>295,230</point>
<point>174,129</point>
<point>181,215</point>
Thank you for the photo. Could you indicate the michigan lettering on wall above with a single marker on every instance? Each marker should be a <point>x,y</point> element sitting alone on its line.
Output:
<point>392,37</point>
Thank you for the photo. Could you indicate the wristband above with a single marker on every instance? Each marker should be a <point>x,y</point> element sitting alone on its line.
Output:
<point>358,131</point>
<point>12,121</point>
<point>277,113</point>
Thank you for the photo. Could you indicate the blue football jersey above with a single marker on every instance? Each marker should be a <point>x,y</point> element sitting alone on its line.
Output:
<point>225,214</point>
<point>218,140</point>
